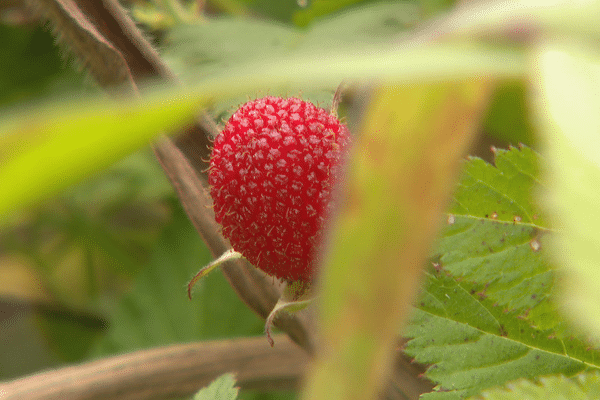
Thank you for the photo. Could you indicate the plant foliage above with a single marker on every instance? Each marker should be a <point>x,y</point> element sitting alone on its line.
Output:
<point>580,387</point>
<point>222,388</point>
<point>474,324</point>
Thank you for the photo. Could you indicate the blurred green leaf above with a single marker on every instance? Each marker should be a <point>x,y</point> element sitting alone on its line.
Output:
<point>98,231</point>
<point>524,17</point>
<point>222,388</point>
<point>70,335</point>
<point>580,387</point>
<point>135,178</point>
<point>250,394</point>
<point>157,310</point>
<point>282,11</point>
<point>508,118</point>
<point>202,49</point>
<point>47,145</point>
<point>59,144</point>
<point>217,44</point>
<point>369,24</point>
<point>568,87</point>
<point>433,7</point>
<point>31,66</point>
<point>319,8</point>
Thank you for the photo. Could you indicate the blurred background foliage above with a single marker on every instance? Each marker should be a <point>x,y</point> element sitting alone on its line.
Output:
<point>102,268</point>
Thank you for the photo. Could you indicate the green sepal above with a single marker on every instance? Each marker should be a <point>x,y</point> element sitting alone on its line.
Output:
<point>228,255</point>
<point>296,296</point>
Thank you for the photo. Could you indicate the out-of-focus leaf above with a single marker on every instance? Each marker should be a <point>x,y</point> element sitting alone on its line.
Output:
<point>157,311</point>
<point>202,49</point>
<point>581,387</point>
<point>370,24</point>
<point>45,150</point>
<point>31,65</point>
<point>508,117</point>
<point>70,335</point>
<point>319,8</point>
<point>136,178</point>
<point>224,42</point>
<point>433,7</point>
<point>48,145</point>
<point>222,388</point>
<point>250,394</point>
<point>197,51</point>
<point>527,16</point>
<point>277,10</point>
<point>23,349</point>
<point>568,84</point>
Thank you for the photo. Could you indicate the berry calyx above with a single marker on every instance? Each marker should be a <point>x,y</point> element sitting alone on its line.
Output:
<point>272,172</point>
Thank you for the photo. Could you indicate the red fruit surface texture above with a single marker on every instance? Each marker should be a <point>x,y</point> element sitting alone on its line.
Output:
<point>272,171</point>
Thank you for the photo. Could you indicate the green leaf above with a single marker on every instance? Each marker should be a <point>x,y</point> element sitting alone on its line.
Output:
<point>493,229</point>
<point>157,311</point>
<point>217,44</point>
<point>473,325</point>
<point>567,111</point>
<point>471,344</point>
<point>433,7</point>
<point>342,46</point>
<point>69,335</point>
<point>58,144</point>
<point>199,50</point>
<point>222,388</point>
<point>20,78</point>
<point>501,192</point>
<point>373,23</point>
<point>317,8</point>
<point>508,118</point>
<point>581,387</point>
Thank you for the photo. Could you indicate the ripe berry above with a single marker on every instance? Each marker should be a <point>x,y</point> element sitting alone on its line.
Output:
<point>271,176</point>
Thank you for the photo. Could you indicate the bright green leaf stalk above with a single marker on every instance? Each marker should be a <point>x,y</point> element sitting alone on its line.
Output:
<point>400,177</point>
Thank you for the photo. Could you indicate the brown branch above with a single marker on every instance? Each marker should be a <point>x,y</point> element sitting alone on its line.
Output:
<point>168,372</point>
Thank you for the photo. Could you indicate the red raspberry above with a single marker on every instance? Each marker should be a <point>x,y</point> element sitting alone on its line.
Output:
<point>271,175</point>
